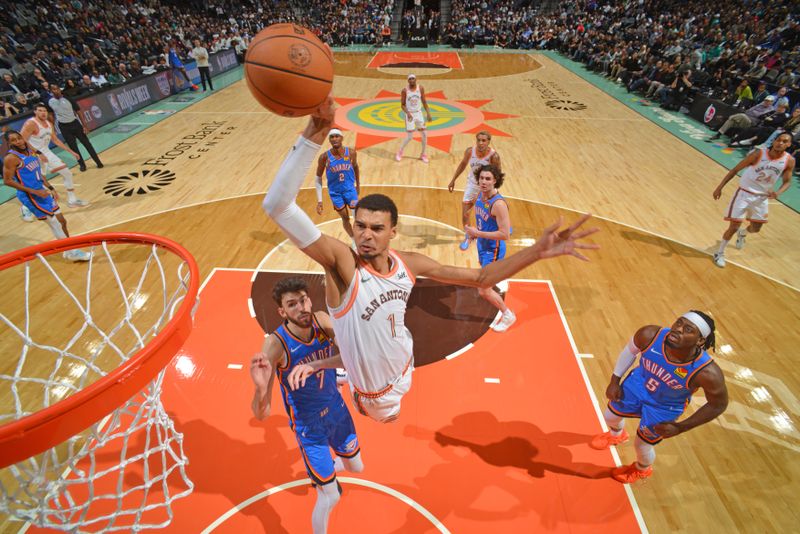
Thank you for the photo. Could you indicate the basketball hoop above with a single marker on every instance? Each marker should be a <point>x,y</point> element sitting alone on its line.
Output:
<point>85,443</point>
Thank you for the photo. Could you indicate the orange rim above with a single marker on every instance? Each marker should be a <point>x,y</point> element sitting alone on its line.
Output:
<point>55,424</point>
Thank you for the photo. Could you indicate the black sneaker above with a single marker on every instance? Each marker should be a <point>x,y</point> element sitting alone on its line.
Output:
<point>100,165</point>
<point>81,166</point>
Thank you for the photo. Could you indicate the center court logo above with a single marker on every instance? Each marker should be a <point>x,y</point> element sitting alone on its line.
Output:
<point>381,118</point>
<point>139,182</point>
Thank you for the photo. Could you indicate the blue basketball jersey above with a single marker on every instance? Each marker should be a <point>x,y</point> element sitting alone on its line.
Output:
<point>485,221</point>
<point>29,173</point>
<point>339,172</point>
<point>306,405</point>
<point>667,383</point>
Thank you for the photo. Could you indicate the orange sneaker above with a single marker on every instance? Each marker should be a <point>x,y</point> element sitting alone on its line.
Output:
<point>603,441</point>
<point>628,474</point>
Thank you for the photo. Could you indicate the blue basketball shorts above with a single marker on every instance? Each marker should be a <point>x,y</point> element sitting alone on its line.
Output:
<point>340,199</point>
<point>335,430</point>
<point>41,208</point>
<point>637,402</point>
<point>490,251</point>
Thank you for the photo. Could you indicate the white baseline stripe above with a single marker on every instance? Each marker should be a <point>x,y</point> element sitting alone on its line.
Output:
<point>346,480</point>
<point>636,511</point>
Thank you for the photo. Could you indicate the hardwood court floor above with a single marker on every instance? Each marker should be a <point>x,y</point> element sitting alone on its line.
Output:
<point>654,191</point>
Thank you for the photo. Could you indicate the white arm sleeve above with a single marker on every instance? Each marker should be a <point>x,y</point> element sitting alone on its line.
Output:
<point>279,202</point>
<point>626,358</point>
<point>318,185</point>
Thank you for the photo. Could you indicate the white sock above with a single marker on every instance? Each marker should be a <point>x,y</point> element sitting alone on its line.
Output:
<point>615,423</point>
<point>406,141</point>
<point>743,231</point>
<point>424,141</point>
<point>67,175</point>
<point>722,246</point>
<point>55,227</point>
<point>327,497</point>
<point>645,453</point>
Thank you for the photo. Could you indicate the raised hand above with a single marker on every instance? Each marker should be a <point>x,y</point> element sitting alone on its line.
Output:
<point>320,122</point>
<point>554,242</point>
<point>298,375</point>
<point>260,370</point>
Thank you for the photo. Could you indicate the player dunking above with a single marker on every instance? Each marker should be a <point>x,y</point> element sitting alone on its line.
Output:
<point>38,132</point>
<point>300,353</point>
<point>756,187</point>
<point>673,364</point>
<point>474,157</point>
<point>340,164</point>
<point>22,171</point>
<point>492,229</point>
<point>412,101</point>
<point>366,290</point>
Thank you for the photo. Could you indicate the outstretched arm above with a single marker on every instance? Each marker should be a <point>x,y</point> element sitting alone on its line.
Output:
<point>461,166</point>
<point>280,205</point>
<point>551,243</point>
<point>262,365</point>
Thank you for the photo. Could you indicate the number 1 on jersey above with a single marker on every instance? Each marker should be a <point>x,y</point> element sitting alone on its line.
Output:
<point>321,377</point>
<point>391,322</point>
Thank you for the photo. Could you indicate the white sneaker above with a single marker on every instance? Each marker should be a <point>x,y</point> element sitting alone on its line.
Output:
<point>77,203</point>
<point>506,321</point>
<point>740,237</point>
<point>341,376</point>
<point>502,286</point>
<point>25,214</point>
<point>719,260</point>
<point>77,255</point>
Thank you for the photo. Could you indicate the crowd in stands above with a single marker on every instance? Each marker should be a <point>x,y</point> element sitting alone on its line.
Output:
<point>746,53</point>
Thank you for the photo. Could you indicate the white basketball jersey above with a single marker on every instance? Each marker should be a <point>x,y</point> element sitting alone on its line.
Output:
<point>41,139</point>
<point>413,100</point>
<point>370,325</point>
<point>761,177</point>
<point>475,162</point>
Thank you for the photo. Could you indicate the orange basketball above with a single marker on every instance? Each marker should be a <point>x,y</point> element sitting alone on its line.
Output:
<point>288,70</point>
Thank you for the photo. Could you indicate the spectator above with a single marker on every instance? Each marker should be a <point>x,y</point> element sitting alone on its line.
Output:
<point>761,93</point>
<point>788,77</point>
<point>748,119</point>
<point>200,55</point>
<point>97,79</point>
<point>759,134</point>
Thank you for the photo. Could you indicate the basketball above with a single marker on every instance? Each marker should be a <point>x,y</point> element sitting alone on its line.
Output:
<point>289,70</point>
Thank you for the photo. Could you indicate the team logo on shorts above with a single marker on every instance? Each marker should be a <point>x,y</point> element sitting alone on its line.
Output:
<point>299,55</point>
<point>351,446</point>
<point>139,182</point>
<point>381,119</point>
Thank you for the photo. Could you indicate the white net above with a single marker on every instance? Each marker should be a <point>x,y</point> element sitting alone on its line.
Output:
<point>69,325</point>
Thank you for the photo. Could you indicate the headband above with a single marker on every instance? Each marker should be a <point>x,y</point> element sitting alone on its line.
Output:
<point>335,131</point>
<point>699,322</point>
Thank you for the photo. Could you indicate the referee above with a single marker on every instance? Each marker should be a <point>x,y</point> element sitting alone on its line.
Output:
<point>71,126</point>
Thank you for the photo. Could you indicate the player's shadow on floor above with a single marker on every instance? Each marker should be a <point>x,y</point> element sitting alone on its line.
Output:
<point>430,235</point>
<point>512,459</point>
<point>222,465</point>
<point>671,248</point>
<point>519,444</point>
